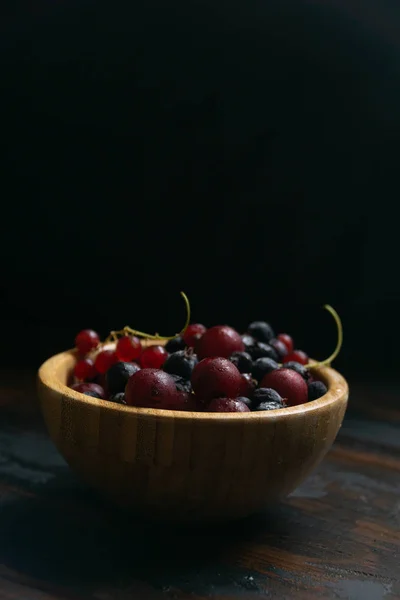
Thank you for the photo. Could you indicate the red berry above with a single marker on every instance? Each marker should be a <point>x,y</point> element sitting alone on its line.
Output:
<point>87,340</point>
<point>216,377</point>
<point>85,369</point>
<point>104,360</point>
<point>247,386</point>
<point>153,357</point>
<point>227,405</point>
<point>296,356</point>
<point>287,340</point>
<point>220,340</point>
<point>151,388</point>
<point>192,332</point>
<point>128,348</point>
<point>181,401</point>
<point>90,389</point>
<point>289,385</point>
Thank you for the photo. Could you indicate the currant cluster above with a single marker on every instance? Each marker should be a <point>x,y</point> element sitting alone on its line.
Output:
<point>211,370</point>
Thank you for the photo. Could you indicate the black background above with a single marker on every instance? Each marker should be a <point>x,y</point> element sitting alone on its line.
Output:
<point>245,152</point>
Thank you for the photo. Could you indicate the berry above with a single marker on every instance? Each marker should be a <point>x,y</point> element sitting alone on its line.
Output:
<point>182,385</point>
<point>287,340</point>
<point>85,369</point>
<point>104,360</point>
<point>299,368</point>
<point>260,349</point>
<point>191,333</point>
<point>87,340</point>
<point>150,388</point>
<point>296,356</point>
<point>181,363</point>
<point>269,406</point>
<point>289,384</point>
<point>89,389</point>
<point>177,343</point>
<point>216,377</point>
<point>181,401</point>
<point>262,366</point>
<point>316,389</point>
<point>248,341</point>
<point>279,348</point>
<point>263,394</point>
<point>220,340</point>
<point>153,357</point>
<point>245,401</point>
<point>227,405</point>
<point>128,348</point>
<point>118,398</point>
<point>117,376</point>
<point>242,360</point>
<point>261,331</point>
<point>248,385</point>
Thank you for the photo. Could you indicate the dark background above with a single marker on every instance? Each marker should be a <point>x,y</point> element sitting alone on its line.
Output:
<point>245,152</point>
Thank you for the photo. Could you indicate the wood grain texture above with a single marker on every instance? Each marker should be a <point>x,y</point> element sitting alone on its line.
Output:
<point>188,466</point>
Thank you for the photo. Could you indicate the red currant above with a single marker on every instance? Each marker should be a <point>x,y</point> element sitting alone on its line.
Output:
<point>216,377</point>
<point>104,360</point>
<point>85,369</point>
<point>153,357</point>
<point>87,340</point>
<point>128,348</point>
<point>227,405</point>
<point>191,333</point>
<point>151,388</point>
<point>289,385</point>
<point>220,340</point>
<point>287,340</point>
<point>296,356</point>
<point>91,389</point>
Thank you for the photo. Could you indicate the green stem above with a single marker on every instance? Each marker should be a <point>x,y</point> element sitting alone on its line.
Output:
<point>334,354</point>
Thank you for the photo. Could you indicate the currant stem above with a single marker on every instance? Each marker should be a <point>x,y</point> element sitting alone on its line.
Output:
<point>335,353</point>
<point>128,330</point>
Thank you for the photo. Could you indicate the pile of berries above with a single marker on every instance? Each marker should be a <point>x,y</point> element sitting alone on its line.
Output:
<point>209,370</point>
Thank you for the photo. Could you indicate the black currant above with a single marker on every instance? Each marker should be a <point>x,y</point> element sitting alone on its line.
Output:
<point>262,366</point>
<point>242,360</point>
<point>181,363</point>
<point>316,389</point>
<point>177,343</point>
<point>117,376</point>
<point>261,331</point>
<point>299,368</point>
<point>262,395</point>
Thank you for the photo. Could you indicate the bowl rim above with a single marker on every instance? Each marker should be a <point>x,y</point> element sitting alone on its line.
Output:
<point>337,391</point>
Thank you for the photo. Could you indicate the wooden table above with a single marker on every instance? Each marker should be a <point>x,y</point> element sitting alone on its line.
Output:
<point>338,536</point>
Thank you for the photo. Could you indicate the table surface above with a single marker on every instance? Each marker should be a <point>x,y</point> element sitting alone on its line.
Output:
<point>338,536</point>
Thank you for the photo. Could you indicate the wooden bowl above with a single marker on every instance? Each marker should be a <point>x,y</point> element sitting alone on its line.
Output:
<point>188,465</point>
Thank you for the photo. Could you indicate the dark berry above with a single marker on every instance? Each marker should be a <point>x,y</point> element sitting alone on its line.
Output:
<point>191,333</point>
<point>242,360</point>
<point>279,348</point>
<point>181,401</point>
<point>220,340</point>
<point>297,356</point>
<point>248,385</point>
<point>182,385</point>
<point>262,366</point>
<point>153,357</point>
<point>269,406</point>
<point>248,341</point>
<point>299,368</point>
<point>85,369</point>
<point>216,377</point>
<point>128,348</point>
<point>118,398</point>
<point>245,401</point>
<point>260,349</point>
<point>227,405</point>
<point>263,394</point>
<point>289,384</point>
<point>93,388</point>
<point>150,388</point>
<point>117,376</point>
<point>316,389</point>
<point>87,340</point>
<point>177,343</point>
<point>261,331</point>
<point>104,360</point>
<point>287,340</point>
<point>181,363</point>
